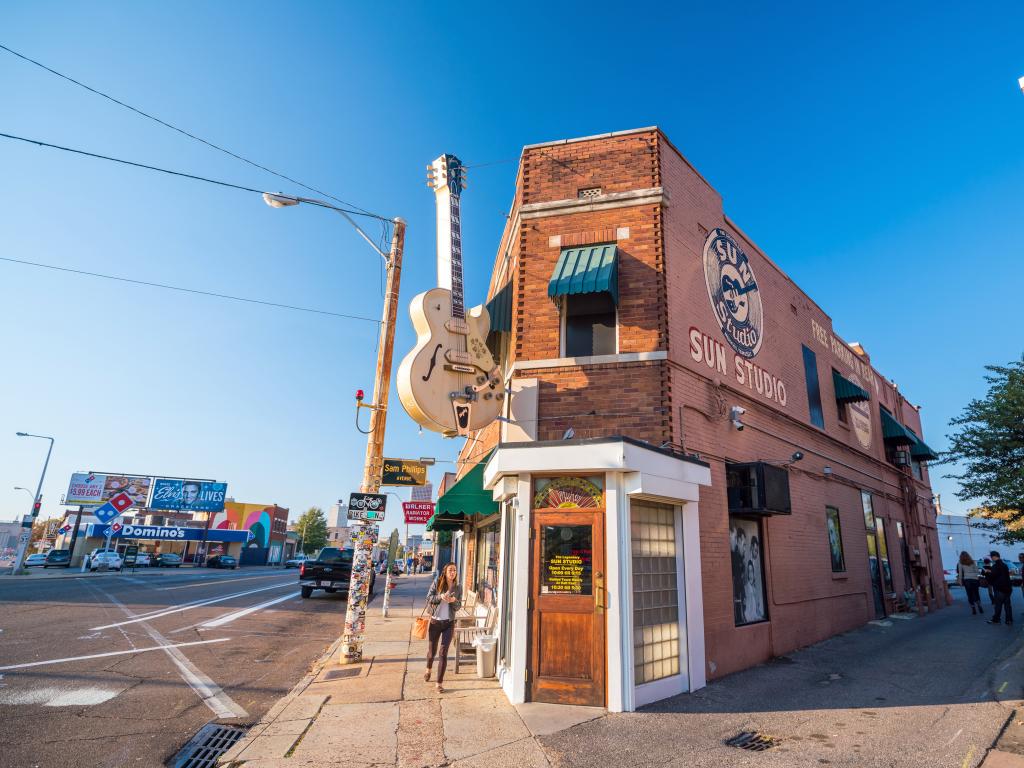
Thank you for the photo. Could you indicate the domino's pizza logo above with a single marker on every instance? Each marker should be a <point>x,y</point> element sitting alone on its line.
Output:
<point>733,291</point>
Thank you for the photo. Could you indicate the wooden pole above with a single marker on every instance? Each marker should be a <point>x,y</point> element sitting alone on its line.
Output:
<point>359,585</point>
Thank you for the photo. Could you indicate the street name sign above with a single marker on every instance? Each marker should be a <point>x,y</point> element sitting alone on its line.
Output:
<point>403,472</point>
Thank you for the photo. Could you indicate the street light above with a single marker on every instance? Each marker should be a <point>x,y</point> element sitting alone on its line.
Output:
<point>352,641</point>
<point>24,541</point>
<point>26,490</point>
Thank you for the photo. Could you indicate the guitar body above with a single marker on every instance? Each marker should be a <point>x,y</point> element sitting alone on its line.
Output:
<point>449,382</point>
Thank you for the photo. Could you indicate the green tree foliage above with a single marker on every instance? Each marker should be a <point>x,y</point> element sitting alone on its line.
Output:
<point>988,442</point>
<point>312,529</point>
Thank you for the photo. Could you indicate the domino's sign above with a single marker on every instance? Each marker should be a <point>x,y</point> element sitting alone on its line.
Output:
<point>172,533</point>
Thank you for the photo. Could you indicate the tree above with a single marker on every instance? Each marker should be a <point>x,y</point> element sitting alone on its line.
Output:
<point>312,529</point>
<point>989,444</point>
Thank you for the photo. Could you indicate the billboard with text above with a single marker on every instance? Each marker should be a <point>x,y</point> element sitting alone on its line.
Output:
<point>91,488</point>
<point>188,495</point>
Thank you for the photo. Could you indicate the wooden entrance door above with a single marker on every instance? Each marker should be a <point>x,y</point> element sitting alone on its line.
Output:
<point>567,603</point>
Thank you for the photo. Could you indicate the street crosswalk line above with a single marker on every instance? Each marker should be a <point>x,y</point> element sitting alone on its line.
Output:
<point>228,618</point>
<point>111,653</point>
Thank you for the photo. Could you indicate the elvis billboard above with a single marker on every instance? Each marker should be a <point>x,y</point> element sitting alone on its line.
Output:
<point>188,495</point>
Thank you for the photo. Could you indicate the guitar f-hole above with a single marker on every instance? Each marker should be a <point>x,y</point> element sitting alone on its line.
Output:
<point>433,362</point>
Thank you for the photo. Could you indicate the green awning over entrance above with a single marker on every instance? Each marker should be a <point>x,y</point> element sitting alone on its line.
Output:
<point>592,269</point>
<point>921,452</point>
<point>500,310</point>
<point>847,391</point>
<point>466,498</point>
<point>894,432</point>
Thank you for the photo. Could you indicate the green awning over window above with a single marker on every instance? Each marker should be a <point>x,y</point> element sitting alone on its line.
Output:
<point>919,451</point>
<point>500,310</point>
<point>847,391</point>
<point>592,269</point>
<point>894,432</point>
<point>466,498</point>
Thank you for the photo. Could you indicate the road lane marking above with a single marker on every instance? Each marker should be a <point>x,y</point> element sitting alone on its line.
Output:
<point>211,694</point>
<point>111,653</point>
<point>228,618</point>
<point>186,607</point>
<point>211,580</point>
<point>967,760</point>
<point>1002,687</point>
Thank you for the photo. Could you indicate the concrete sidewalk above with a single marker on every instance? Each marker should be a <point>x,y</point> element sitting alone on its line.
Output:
<point>381,712</point>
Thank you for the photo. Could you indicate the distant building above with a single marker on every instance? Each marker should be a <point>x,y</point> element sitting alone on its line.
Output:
<point>414,543</point>
<point>958,533</point>
<point>337,535</point>
<point>338,516</point>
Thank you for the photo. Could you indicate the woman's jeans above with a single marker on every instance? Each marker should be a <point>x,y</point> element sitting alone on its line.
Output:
<point>971,586</point>
<point>439,630</point>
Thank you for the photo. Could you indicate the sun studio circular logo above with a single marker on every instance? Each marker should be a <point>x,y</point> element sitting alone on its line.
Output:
<point>735,298</point>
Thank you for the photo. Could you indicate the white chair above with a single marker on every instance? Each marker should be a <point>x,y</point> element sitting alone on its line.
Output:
<point>469,628</point>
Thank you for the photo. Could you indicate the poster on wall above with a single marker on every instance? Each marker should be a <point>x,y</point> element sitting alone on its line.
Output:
<point>835,539</point>
<point>89,488</point>
<point>748,597</point>
<point>190,495</point>
<point>566,564</point>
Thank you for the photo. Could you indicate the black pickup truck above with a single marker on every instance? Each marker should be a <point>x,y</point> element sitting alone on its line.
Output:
<point>331,572</point>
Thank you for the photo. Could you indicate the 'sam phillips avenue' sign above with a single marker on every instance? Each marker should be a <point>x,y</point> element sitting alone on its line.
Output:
<point>403,472</point>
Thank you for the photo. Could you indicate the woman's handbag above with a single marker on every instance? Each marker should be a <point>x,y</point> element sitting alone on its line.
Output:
<point>421,625</point>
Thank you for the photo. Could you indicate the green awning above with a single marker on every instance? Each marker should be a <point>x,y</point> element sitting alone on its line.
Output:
<point>592,269</point>
<point>894,432</point>
<point>466,498</point>
<point>500,310</point>
<point>847,391</point>
<point>921,452</point>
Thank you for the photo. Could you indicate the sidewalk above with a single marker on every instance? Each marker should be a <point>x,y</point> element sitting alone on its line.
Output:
<point>381,712</point>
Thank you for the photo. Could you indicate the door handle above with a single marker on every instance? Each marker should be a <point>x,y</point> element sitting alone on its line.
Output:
<point>599,592</point>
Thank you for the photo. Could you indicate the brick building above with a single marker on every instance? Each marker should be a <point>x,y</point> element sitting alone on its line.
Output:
<point>694,472</point>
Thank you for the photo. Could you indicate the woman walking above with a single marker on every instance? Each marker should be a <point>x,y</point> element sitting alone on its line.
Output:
<point>443,602</point>
<point>967,577</point>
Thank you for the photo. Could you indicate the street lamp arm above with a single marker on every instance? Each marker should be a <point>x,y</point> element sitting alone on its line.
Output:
<point>279,201</point>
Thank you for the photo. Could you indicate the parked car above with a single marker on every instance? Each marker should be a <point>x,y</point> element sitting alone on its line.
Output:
<point>296,561</point>
<point>167,560</point>
<point>330,572</point>
<point>37,558</point>
<point>107,558</point>
<point>142,560</point>
<point>57,558</point>
<point>221,561</point>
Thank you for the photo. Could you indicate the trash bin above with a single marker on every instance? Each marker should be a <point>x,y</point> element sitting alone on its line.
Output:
<point>486,653</point>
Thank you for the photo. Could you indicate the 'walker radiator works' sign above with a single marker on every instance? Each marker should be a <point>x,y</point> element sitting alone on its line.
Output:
<point>417,511</point>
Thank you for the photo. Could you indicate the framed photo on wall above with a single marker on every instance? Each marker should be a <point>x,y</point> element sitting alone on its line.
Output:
<point>746,547</point>
<point>835,539</point>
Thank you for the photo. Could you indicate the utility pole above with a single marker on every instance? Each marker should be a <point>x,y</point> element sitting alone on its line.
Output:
<point>362,535</point>
<point>36,501</point>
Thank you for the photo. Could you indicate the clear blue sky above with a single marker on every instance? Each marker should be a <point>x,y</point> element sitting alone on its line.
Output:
<point>876,156</point>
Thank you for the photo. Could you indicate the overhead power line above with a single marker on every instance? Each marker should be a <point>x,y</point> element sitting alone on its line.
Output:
<point>182,131</point>
<point>168,171</point>
<point>189,290</point>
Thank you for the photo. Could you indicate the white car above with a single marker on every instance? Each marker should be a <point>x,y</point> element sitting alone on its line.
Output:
<point>142,560</point>
<point>110,559</point>
<point>295,562</point>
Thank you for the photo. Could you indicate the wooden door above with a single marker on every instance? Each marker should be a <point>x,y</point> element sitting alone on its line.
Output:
<point>567,603</point>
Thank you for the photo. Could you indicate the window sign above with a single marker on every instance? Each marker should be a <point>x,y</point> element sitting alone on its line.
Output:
<point>567,558</point>
<point>869,510</point>
<point>569,493</point>
<point>749,603</point>
<point>835,539</point>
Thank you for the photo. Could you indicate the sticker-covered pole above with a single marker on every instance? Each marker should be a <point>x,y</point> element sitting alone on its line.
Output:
<point>364,534</point>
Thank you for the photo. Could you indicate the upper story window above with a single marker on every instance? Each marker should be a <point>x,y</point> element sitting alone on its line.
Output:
<point>589,326</point>
<point>813,388</point>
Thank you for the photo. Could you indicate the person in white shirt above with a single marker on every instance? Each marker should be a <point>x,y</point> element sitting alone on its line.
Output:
<point>443,602</point>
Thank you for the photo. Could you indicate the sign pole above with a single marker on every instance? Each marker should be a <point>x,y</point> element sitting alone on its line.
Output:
<point>355,612</point>
<point>37,499</point>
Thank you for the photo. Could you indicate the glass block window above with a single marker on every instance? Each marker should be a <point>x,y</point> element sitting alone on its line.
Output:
<point>655,592</point>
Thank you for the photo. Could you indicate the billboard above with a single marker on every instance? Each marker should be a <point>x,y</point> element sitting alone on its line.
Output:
<point>90,488</point>
<point>189,495</point>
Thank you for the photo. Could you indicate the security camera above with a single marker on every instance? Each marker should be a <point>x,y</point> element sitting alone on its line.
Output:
<point>797,455</point>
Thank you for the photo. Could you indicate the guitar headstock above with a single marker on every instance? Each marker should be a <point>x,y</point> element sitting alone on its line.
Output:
<point>447,171</point>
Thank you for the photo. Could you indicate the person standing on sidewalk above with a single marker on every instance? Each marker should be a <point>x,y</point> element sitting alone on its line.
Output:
<point>999,581</point>
<point>443,602</point>
<point>967,577</point>
<point>986,572</point>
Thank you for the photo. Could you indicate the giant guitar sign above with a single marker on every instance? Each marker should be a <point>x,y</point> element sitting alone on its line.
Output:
<point>449,383</point>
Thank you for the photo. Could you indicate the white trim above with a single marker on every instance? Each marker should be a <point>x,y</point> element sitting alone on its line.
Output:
<point>619,583</point>
<point>648,196</point>
<point>568,362</point>
<point>513,681</point>
<point>694,597</point>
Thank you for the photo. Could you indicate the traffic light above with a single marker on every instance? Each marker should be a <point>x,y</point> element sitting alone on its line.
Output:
<point>36,507</point>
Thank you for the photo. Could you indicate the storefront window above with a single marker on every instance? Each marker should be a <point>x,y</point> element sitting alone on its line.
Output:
<point>748,596</point>
<point>655,592</point>
<point>488,549</point>
<point>566,560</point>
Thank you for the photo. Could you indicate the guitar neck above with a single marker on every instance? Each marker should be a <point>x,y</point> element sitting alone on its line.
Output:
<point>455,244</point>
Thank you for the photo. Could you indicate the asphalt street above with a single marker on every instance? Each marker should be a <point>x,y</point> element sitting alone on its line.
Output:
<point>933,692</point>
<point>123,669</point>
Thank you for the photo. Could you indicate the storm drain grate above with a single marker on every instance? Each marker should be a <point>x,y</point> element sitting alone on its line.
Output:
<point>336,674</point>
<point>752,741</point>
<point>207,746</point>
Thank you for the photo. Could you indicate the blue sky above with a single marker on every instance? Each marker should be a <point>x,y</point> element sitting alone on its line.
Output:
<point>876,156</point>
